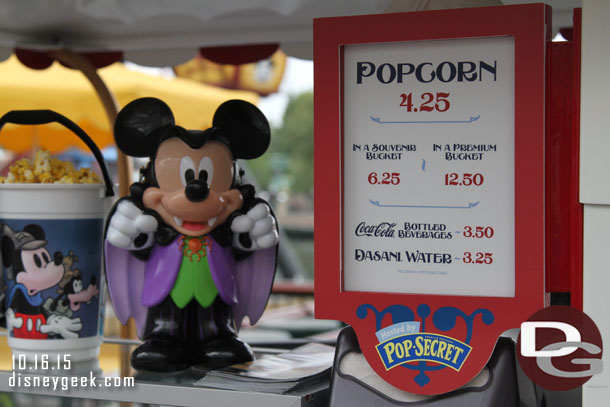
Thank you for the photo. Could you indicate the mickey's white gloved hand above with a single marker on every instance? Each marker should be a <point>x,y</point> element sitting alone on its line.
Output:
<point>63,326</point>
<point>260,227</point>
<point>12,321</point>
<point>127,224</point>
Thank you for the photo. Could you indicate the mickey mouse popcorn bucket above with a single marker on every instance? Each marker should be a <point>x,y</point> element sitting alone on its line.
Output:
<point>51,250</point>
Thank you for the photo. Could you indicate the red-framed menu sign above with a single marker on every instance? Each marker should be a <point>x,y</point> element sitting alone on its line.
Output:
<point>429,185</point>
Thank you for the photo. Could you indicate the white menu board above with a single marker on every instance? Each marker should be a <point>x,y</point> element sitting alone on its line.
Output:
<point>428,160</point>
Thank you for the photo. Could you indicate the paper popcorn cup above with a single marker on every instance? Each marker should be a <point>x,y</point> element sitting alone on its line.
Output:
<point>51,250</point>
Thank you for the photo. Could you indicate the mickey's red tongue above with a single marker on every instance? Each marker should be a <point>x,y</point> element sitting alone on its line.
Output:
<point>194,225</point>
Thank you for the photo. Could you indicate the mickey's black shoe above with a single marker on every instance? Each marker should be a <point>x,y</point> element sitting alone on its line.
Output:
<point>159,355</point>
<point>221,351</point>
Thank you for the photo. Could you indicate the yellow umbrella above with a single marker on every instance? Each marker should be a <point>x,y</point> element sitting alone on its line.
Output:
<point>68,92</point>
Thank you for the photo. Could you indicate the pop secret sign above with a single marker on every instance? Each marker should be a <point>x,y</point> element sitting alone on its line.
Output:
<point>429,185</point>
<point>398,347</point>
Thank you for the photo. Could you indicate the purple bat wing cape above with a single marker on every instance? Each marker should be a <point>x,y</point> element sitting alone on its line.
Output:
<point>135,285</point>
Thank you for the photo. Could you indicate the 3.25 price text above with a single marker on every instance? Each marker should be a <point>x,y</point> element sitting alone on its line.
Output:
<point>477,258</point>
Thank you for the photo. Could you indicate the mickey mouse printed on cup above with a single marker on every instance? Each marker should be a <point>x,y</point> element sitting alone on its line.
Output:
<point>31,270</point>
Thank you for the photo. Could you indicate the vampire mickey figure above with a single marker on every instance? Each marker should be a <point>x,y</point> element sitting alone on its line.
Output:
<point>191,251</point>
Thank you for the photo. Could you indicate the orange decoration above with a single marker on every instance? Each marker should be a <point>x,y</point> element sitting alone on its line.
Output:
<point>194,245</point>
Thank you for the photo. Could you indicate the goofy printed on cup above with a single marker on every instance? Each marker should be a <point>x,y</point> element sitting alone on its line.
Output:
<point>72,293</point>
<point>30,270</point>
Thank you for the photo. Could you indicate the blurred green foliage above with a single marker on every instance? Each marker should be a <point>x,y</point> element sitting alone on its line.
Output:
<point>288,164</point>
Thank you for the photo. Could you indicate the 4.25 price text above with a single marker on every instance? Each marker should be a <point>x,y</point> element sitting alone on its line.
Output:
<point>429,102</point>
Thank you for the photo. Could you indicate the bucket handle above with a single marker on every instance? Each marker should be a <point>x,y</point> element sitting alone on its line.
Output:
<point>48,116</point>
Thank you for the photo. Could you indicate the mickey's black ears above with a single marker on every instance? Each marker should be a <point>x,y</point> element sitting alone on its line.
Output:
<point>8,251</point>
<point>140,125</point>
<point>245,128</point>
<point>35,230</point>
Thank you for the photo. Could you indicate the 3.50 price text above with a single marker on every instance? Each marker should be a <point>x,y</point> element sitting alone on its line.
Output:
<point>479,232</point>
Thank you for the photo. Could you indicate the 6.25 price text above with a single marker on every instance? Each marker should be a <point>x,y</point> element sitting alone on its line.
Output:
<point>386,178</point>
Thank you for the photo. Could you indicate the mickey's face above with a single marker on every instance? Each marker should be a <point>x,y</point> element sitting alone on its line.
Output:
<point>192,172</point>
<point>40,270</point>
<point>194,194</point>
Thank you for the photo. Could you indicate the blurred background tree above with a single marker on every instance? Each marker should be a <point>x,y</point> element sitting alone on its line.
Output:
<point>288,164</point>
